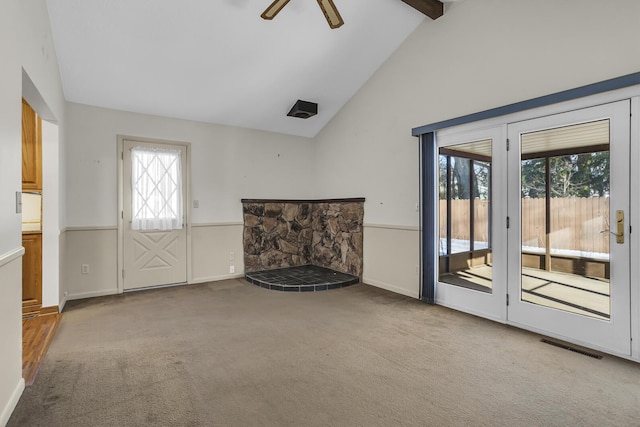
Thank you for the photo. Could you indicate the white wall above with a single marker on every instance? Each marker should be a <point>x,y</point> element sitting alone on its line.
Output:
<point>96,247</point>
<point>227,164</point>
<point>10,129</point>
<point>213,247</point>
<point>481,54</point>
<point>393,270</point>
<point>11,383</point>
<point>25,42</point>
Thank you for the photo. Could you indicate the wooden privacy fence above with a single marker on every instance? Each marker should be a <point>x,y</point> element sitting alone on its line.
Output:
<point>577,224</point>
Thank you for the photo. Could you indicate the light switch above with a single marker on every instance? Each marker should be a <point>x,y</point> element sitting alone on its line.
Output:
<point>196,204</point>
<point>18,202</point>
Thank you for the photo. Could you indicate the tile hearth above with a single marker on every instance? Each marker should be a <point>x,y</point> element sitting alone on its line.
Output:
<point>306,278</point>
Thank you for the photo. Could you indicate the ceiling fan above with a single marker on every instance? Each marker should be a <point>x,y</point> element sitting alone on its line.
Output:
<point>328,8</point>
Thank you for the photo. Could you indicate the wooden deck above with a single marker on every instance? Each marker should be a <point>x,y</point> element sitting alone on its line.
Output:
<point>568,292</point>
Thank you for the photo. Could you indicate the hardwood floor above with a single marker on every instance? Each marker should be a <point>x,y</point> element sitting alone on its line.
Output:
<point>37,334</point>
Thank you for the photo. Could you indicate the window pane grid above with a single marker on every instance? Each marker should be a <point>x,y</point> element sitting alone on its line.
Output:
<point>156,189</point>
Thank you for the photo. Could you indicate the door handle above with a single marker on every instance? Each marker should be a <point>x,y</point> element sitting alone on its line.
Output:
<point>619,227</point>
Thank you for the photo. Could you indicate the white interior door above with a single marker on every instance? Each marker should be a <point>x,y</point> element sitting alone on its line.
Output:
<point>472,208</point>
<point>569,250</point>
<point>154,199</point>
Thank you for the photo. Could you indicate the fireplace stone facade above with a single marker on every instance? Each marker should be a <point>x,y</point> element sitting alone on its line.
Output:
<point>290,233</point>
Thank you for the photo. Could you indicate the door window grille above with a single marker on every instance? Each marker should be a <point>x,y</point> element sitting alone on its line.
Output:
<point>156,183</point>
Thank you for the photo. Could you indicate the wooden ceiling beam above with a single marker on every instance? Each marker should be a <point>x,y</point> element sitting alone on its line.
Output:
<point>434,9</point>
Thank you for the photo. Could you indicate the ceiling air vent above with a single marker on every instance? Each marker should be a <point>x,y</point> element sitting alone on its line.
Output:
<point>303,109</point>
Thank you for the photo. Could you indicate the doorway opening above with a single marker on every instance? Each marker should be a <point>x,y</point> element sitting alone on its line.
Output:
<point>41,293</point>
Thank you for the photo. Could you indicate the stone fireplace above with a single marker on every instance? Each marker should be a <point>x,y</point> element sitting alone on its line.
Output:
<point>291,233</point>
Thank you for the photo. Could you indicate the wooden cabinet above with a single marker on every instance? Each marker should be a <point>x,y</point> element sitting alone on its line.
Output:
<point>31,149</point>
<point>31,182</point>
<point>32,273</point>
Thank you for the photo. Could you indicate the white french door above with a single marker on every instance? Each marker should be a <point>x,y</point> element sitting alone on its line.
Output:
<point>533,224</point>
<point>154,211</point>
<point>568,241</point>
<point>471,249</point>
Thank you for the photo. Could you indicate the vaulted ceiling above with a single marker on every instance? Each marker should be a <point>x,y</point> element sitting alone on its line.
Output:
<point>219,62</point>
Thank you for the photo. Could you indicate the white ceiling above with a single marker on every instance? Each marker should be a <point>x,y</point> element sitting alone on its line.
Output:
<point>217,61</point>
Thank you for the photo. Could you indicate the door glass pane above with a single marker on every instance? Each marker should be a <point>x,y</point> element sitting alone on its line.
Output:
<point>565,218</point>
<point>465,215</point>
<point>156,189</point>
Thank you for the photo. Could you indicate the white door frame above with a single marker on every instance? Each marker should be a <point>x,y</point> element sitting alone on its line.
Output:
<point>187,176</point>
<point>633,93</point>
<point>634,222</point>
<point>613,335</point>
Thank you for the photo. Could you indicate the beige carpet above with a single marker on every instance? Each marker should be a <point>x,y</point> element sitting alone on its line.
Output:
<point>232,354</point>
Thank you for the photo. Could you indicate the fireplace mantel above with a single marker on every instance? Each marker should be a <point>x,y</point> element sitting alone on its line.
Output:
<point>344,200</point>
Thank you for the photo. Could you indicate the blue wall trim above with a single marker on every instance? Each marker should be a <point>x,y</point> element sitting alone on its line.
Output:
<point>567,95</point>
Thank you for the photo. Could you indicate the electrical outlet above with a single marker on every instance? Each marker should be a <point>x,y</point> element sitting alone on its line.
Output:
<point>84,269</point>
<point>417,270</point>
<point>417,207</point>
<point>232,256</point>
<point>232,269</point>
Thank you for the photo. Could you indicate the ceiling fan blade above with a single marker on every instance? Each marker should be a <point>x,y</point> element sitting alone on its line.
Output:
<point>331,13</point>
<point>273,9</point>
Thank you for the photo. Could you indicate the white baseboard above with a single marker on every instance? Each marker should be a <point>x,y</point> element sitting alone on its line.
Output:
<point>392,288</point>
<point>92,294</point>
<point>114,291</point>
<point>197,280</point>
<point>12,403</point>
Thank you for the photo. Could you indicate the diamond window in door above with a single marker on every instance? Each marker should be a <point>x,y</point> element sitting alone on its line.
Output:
<point>156,189</point>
